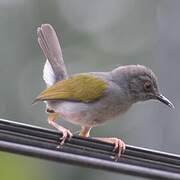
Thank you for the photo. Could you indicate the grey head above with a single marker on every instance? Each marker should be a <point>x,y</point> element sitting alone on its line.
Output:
<point>139,83</point>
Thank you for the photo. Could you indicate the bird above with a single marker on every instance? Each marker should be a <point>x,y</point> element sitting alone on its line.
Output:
<point>92,98</point>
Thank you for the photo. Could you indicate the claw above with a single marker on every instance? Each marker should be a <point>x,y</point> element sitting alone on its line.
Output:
<point>119,146</point>
<point>66,134</point>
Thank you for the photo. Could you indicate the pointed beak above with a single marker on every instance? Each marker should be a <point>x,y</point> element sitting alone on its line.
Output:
<point>164,100</point>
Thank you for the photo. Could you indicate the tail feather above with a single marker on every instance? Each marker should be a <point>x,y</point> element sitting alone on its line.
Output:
<point>54,69</point>
<point>48,74</point>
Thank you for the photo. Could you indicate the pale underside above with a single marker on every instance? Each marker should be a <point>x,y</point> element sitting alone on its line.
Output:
<point>96,112</point>
<point>84,103</point>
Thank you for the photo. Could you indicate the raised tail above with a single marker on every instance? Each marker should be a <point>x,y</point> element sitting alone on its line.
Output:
<point>54,68</point>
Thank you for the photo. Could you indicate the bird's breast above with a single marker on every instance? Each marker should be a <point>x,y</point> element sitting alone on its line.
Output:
<point>89,114</point>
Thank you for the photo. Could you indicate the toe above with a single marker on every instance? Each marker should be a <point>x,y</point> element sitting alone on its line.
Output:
<point>116,144</point>
<point>66,134</point>
<point>69,134</point>
<point>120,148</point>
<point>123,145</point>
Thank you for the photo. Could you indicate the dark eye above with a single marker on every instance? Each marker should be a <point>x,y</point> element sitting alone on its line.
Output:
<point>147,86</point>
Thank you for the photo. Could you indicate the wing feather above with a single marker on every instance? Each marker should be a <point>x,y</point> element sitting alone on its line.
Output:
<point>83,87</point>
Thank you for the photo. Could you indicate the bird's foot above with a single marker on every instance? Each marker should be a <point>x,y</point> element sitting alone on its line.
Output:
<point>119,145</point>
<point>66,135</point>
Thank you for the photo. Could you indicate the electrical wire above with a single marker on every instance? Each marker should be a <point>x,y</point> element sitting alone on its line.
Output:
<point>87,152</point>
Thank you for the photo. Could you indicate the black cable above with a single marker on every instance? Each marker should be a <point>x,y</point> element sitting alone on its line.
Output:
<point>42,143</point>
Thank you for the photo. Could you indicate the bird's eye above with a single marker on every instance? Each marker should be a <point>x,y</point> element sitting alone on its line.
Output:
<point>147,86</point>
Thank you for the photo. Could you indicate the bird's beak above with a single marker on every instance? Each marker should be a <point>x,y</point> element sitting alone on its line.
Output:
<point>164,100</point>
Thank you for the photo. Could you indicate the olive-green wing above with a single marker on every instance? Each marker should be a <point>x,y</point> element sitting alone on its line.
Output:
<point>83,87</point>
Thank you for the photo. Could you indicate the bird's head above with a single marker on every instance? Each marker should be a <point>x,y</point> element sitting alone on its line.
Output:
<point>141,83</point>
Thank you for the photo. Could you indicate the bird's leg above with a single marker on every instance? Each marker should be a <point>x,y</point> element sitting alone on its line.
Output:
<point>119,145</point>
<point>65,132</point>
<point>85,130</point>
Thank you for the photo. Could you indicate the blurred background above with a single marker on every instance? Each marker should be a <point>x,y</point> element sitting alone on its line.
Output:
<point>95,36</point>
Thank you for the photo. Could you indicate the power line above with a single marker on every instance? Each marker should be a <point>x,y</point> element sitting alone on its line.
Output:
<point>87,152</point>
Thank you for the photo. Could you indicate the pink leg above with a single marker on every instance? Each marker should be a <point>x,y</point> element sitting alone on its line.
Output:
<point>66,133</point>
<point>119,145</point>
<point>85,131</point>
